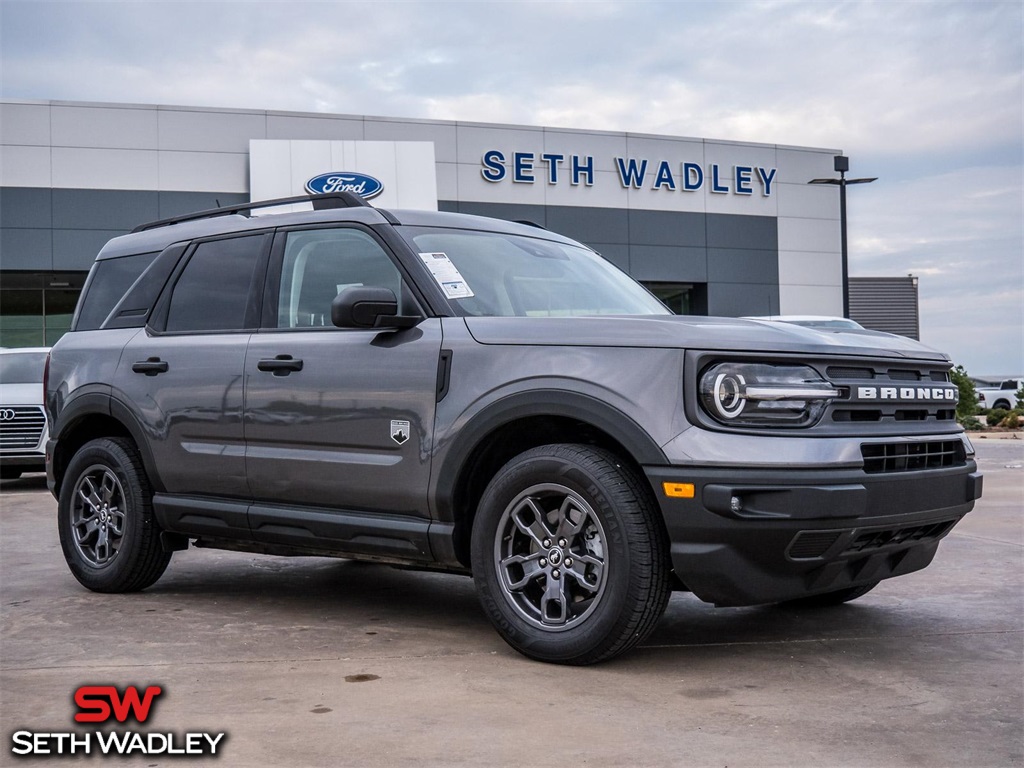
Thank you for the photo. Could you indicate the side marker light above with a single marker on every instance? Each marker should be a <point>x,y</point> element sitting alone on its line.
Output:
<point>678,490</point>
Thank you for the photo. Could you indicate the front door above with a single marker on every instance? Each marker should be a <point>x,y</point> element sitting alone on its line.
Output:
<point>337,420</point>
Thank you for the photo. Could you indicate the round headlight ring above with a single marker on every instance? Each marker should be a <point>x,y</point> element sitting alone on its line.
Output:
<point>728,393</point>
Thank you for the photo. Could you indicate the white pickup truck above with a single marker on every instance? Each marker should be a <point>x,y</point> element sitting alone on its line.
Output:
<point>1001,394</point>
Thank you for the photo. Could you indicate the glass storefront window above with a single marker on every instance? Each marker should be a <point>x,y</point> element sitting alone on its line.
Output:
<point>35,317</point>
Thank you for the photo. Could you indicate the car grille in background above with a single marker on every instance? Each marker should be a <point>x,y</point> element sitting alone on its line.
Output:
<point>21,427</point>
<point>911,457</point>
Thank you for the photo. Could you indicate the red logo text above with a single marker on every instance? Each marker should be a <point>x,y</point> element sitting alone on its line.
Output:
<point>98,703</point>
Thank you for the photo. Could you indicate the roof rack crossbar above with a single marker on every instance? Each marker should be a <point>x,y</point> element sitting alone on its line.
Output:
<point>320,202</point>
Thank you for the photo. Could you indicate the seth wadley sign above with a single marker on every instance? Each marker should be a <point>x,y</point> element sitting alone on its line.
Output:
<point>633,173</point>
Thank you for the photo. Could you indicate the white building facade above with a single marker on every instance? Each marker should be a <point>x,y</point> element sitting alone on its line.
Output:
<point>712,227</point>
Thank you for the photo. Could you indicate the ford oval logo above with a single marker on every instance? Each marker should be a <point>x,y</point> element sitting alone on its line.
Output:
<point>343,181</point>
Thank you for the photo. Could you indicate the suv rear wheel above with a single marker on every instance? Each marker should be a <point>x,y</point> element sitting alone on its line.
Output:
<point>111,540</point>
<point>568,556</point>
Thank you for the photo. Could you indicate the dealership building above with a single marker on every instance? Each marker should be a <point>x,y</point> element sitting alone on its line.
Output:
<point>712,227</point>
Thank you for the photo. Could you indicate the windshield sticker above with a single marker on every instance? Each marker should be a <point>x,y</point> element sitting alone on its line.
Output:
<point>447,275</point>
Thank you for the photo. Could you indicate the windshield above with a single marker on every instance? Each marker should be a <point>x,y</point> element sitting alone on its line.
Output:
<point>500,275</point>
<point>22,367</point>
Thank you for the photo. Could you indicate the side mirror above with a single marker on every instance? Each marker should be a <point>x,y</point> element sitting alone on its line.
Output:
<point>369,307</point>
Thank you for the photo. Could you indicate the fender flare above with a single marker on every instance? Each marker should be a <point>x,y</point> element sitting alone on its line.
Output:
<point>546,402</point>
<point>103,403</point>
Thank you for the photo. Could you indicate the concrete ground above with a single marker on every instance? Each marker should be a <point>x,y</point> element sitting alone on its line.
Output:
<point>335,663</point>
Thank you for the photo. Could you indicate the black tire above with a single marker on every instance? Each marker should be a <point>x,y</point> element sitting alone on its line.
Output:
<point>1004,404</point>
<point>838,597</point>
<point>569,555</point>
<point>9,473</point>
<point>108,532</point>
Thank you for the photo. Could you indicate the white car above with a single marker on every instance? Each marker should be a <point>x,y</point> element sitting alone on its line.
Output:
<point>23,429</point>
<point>1000,394</point>
<point>820,322</point>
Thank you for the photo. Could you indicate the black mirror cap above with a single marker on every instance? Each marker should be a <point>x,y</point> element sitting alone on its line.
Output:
<point>369,307</point>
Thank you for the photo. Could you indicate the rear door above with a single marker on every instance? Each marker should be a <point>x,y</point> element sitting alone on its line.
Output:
<point>183,375</point>
<point>338,420</point>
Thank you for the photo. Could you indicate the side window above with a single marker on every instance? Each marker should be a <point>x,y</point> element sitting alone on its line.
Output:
<point>319,264</point>
<point>108,283</point>
<point>212,293</point>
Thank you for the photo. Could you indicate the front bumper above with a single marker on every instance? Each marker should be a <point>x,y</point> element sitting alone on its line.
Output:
<point>753,536</point>
<point>27,462</point>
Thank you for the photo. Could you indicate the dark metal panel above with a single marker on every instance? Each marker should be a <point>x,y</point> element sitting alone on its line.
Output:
<point>616,253</point>
<point>738,299</point>
<point>737,265</point>
<point>26,207</point>
<point>26,249</point>
<point>102,209</point>
<point>180,203</point>
<point>676,228</point>
<point>590,225</point>
<point>665,263</point>
<point>76,249</point>
<point>887,304</point>
<point>732,231</point>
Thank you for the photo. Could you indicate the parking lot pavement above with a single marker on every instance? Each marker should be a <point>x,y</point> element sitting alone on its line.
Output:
<point>336,663</point>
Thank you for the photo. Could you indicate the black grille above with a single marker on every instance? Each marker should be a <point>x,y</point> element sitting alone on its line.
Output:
<point>898,374</point>
<point>880,377</point>
<point>840,372</point>
<point>872,540</point>
<point>21,427</point>
<point>811,544</point>
<point>912,457</point>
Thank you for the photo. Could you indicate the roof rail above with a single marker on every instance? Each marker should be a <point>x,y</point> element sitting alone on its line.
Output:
<point>320,203</point>
<point>529,223</point>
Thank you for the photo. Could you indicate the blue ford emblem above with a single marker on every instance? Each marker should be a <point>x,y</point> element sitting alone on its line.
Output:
<point>342,181</point>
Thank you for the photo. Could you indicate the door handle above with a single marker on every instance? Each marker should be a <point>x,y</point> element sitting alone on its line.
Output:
<point>150,367</point>
<point>281,365</point>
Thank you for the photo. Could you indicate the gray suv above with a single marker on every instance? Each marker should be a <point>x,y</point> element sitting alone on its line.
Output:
<point>452,392</point>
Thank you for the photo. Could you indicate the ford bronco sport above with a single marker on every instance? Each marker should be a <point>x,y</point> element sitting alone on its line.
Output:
<point>460,393</point>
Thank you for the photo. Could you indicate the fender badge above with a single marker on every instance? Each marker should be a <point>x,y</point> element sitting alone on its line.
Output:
<point>399,431</point>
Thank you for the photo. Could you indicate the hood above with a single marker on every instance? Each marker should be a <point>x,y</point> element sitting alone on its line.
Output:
<point>21,394</point>
<point>689,332</point>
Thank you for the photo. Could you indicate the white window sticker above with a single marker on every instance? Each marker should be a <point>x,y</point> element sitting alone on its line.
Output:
<point>447,275</point>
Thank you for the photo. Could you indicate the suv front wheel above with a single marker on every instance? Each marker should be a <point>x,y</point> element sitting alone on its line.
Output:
<point>110,538</point>
<point>568,555</point>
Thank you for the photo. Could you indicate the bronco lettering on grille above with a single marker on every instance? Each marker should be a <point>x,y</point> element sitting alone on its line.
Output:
<point>941,394</point>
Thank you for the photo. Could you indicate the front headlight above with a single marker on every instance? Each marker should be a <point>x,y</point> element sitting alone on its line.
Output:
<point>763,395</point>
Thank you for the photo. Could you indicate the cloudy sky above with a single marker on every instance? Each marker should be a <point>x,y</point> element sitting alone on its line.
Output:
<point>927,96</point>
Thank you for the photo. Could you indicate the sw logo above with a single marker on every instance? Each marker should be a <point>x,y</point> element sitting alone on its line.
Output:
<point>98,703</point>
<point>103,704</point>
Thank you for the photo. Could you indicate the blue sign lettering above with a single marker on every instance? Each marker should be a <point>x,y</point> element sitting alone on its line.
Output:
<point>582,169</point>
<point>693,177</point>
<point>716,185</point>
<point>552,161</point>
<point>767,177</point>
<point>494,166</point>
<point>743,176</point>
<point>632,173</point>
<point>522,167</point>
<point>664,177</point>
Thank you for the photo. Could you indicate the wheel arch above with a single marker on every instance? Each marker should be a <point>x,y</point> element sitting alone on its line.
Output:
<point>515,424</point>
<point>90,417</point>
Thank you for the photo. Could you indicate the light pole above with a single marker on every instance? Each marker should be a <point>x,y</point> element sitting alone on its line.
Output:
<point>842,165</point>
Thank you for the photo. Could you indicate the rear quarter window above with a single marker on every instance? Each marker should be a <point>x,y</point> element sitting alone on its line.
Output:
<point>108,282</point>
